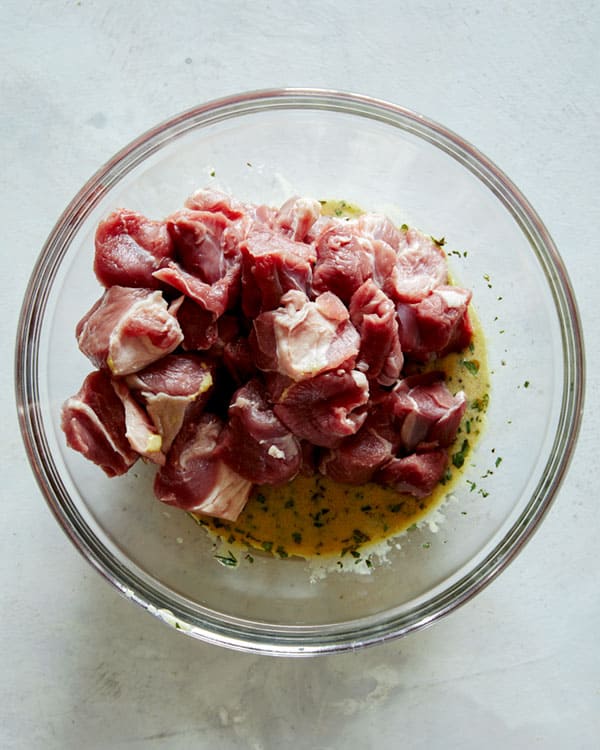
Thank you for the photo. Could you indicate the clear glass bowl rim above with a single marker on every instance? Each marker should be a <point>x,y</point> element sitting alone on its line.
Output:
<point>211,626</point>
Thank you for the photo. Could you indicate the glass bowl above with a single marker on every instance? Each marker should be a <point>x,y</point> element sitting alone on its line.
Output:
<point>264,147</point>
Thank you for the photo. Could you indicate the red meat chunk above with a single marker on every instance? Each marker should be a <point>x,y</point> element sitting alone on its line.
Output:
<point>417,474</point>
<point>436,325</point>
<point>326,408</point>
<point>129,248</point>
<point>93,421</point>
<point>195,478</point>
<point>127,329</point>
<point>173,389</point>
<point>272,265</point>
<point>374,316</point>
<point>303,338</point>
<point>255,443</point>
<point>420,267</point>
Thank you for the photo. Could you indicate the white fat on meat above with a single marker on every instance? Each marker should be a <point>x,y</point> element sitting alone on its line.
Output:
<point>420,268</point>
<point>167,414</point>
<point>306,334</point>
<point>140,431</point>
<point>195,478</point>
<point>93,421</point>
<point>128,329</point>
<point>297,216</point>
<point>169,388</point>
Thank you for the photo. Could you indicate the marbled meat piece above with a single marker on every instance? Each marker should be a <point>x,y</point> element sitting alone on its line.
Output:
<point>420,267</point>
<point>436,325</point>
<point>373,315</point>
<point>215,297</point>
<point>129,248</point>
<point>195,477</point>
<point>198,326</point>
<point>297,216</point>
<point>175,388</point>
<point>255,443</point>
<point>342,263</point>
<point>209,199</point>
<point>198,241</point>
<point>356,459</point>
<point>93,421</point>
<point>417,474</point>
<point>127,329</point>
<point>379,227</point>
<point>303,338</point>
<point>350,252</point>
<point>425,412</point>
<point>326,408</point>
<point>272,265</point>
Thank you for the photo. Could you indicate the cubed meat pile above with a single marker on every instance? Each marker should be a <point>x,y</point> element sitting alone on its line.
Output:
<point>238,344</point>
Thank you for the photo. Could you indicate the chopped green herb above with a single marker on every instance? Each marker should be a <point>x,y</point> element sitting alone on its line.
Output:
<point>267,546</point>
<point>281,551</point>
<point>498,461</point>
<point>229,560</point>
<point>426,545</point>
<point>297,537</point>
<point>458,458</point>
<point>404,227</point>
<point>360,537</point>
<point>212,173</point>
<point>447,477</point>
<point>526,384</point>
<point>441,242</point>
<point>472,365</point>
<point>481,404</point>
<point>471,484</point>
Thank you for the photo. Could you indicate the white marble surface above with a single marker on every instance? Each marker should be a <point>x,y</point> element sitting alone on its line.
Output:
<point>517,667</point>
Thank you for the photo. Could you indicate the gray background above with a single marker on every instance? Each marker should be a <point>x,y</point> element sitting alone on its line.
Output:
<point>517,667</point>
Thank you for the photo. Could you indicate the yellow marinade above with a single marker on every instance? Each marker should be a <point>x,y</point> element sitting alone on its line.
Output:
<point>316,516</point>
